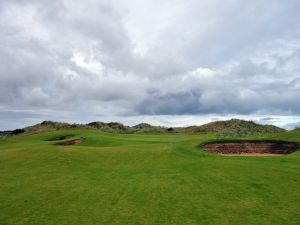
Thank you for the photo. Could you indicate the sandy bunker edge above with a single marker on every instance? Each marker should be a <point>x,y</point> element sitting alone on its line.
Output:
<point>69,142</point>
<point>72,142</point>
<point>252,148</point>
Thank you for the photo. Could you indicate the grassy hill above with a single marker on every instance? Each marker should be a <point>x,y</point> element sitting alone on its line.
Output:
<point>233,128</point>
<point>236,127</point>
<point>138,178</point>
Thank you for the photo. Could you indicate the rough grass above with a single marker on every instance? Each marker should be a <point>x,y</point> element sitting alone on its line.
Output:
<point>143,179</point>
<point>228,128</point>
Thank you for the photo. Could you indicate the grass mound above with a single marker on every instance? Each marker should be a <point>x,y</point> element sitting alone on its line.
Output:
<point>236,128</point>
<point>230,128</point>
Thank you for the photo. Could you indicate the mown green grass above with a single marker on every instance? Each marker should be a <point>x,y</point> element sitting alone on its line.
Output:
<point>143,179</point>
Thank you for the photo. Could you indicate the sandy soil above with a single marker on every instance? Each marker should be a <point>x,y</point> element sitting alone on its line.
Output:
<point>249,148</point>
<point>72,142</point>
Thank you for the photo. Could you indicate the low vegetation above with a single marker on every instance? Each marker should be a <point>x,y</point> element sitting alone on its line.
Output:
<point>237,128</point>
<point>230,128</point>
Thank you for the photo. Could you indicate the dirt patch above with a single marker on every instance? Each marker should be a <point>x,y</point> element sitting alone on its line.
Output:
<point>252,148</point>
<point>72,142</point>
<point>60,138</point>
<point>251,154</point>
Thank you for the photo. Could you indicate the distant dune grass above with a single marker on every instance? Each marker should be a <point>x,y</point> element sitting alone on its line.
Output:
<point>162,178</point>
<point>228,128</point>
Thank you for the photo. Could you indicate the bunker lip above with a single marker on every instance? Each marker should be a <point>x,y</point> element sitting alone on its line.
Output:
<point>60,138</point>
<point>251,154</point>
<point>251,148</point>
<point>72,142</point>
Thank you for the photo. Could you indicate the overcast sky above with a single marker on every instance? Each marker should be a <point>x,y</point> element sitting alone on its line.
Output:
<point>168,62</point>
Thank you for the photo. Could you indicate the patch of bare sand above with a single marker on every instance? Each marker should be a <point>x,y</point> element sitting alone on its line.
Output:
<point>252,148</point>
<point>72,142</point>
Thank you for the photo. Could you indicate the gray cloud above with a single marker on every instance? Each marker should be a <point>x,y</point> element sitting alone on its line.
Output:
<point>99,58</point>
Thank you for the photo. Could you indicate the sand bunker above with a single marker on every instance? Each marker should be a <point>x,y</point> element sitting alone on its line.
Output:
<point>252,148</point>
<point>60,138</point>
<point>72,142</point>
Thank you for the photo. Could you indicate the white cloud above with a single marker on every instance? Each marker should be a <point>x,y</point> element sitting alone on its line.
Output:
<point>88,62</point>
<point>136,58</point>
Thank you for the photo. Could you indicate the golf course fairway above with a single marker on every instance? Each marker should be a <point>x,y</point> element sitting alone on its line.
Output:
<point>143,179</point>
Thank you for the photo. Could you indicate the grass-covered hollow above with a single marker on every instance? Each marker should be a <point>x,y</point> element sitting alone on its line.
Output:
<point>143,179</point>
